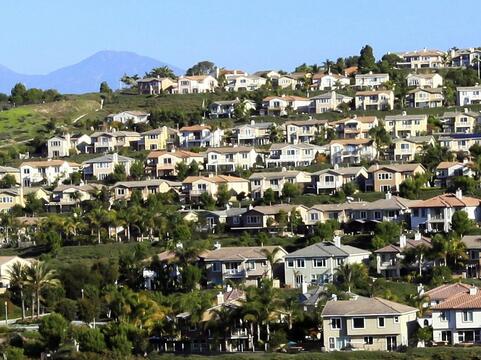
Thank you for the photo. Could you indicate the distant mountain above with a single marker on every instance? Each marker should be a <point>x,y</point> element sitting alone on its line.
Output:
<point>86,75</point>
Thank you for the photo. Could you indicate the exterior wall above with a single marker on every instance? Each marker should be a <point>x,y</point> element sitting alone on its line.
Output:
<point>454,323</point>
<point>237,271</point>
<point>31,175</point>
<point>422,82</point>
<point>468,95</point>
<point>438,218</point>
<point>371,80</point>
<point>102,169</point>
<point>351,154</point>
<point>406,127</point>
<point>292,155</point>
<point>379,101</point>
<point>156,141</point>
<point>58,147</point>
<point>219,161</point>
<point>8,201</point>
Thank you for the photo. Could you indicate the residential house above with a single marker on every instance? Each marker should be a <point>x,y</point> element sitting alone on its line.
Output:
<point>374,100</point>
<point>472,244</point>
<point>246,264</point>
<point>252,134</point>
<point>6,263</point>
<point>284,104</point>
<point>244,83</point>
<point>155,139</point>
<point>317,264</point>
<point>372,324</point>
<point>304,131</point>
<point>229,217</point>
<point>268,74</point>
<point>329,81</point>
<point>329,101</point>
<point>62,145</point>
<point>425,98</point>
<point>11,197</point>
<point>164,163</point>
<point>65,197</point>
<point>424,80</point>
<point>320,213</point>
<point>384,178</point>
<point>352,151</point>
<point>123,190</point>
<point>293,154</point>
<point>443,292</point>
<point>425,58</point>
<point>457,320</point>
<point>261,181</point>
<point>465,57</point>
<point>435,214</point>
<point>46,172</point>
<point>101,167</point>
<point>404,125</point>
<point>228,159</point>
<point>460,121</point>
<point>196,84</point>
<point>270,217</point>
<point>104,141</point>
<point>155,85</point>
<point>10,171</point>
<point>226,108</point>
<point>405,149</point>
<point>370,80</point>
<point>390,260</point>
<point>331,180</point>
<point>355,127</point>
<point>285,82</point>
<point>447,170</point>
<point>468,95</point>
<point>195,186</point>
<point>131,116</point>
<point>457,143</point>
<point>200,136</point>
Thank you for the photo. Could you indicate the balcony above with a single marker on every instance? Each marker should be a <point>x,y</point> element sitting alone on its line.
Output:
<point>234,273</point>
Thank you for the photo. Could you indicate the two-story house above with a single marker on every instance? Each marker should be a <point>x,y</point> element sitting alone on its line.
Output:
<point>354,127</point>
<point>425,98</point>
<point>467,95</point>
<point>164,163</point>
<point>46,172</point>
<point>424,58</point>
<point>130,116</point>
<point>390,259</point>
<point>433,80</point>
<point>101,167</point>
<point>352,151</point>
<point>284,104</point>
<point>270,217</point>
<point>155,85</point>
<point>435,214</point>
<point>460,121</point>
<point>329,101</point>
<point>228,159</point>
<point>317,264</point>
<point>11,197</point>
<point>472,244</point>
<point>459,142</point>
<point>304,131</point>
<point>62,145</point>
<point>244,83</point>
<point>363,323</point>
<point>155,139</point>
<point>384,178</point>
<point>293,154</point>
<point>104,141</point>
<point>200,136</point>
<point>261,181</point>
<point>329,180</point>
<point>10,171</point>
<point>329,81</point>
<point>405,149</point>
<point>252,134</point>
<point>405,125</point>
<point>374,100</point>
<point>370,80</point>
<point>65,197</point>
<point>226,108</point>
<point>123,190</point>
<point>247,264</point>
<point>446,171</point>
<point>465,57</point>
<point>196,84</point>
<point>195,186</point>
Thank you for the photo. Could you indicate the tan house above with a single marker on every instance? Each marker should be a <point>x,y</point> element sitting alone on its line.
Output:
<point>304,131</point>
<point>459,142</point>
<point>329,101</point>
<point>164,163</point>
<point>65,197</point>
<point>10,198</point>
<point>155,85</point>
<point>11,171</point>
<point>194,186</point>
<point>424,80</point>
<point>155,139</point>
<point>268,217</point>
<point>6,263</point>
<point>363,323</point>
<point>123,190</point>
<point>384,178</point>
<point>329,180</point>
<point>424,58</point>
<point>460,121</point>
<point>404,125</point>
<point>355,127</point>
<point>282,105</point>
<point>425,98</point>
<point>405,149</point>
<point>374,100</point>
<point>253,133</point>
<point>261,181</point>
<point>101,167</point>
<point>111,141</point>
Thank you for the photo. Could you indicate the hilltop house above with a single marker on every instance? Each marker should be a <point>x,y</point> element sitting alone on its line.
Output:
<point>472,244</point>
<point>123,190</point>
<point>269,217</point>
<point>329,180</point>
<point>155,139</point>
<point>244,82</point>
<point>425,58</point>
<point>261,181</point>
<point>459,142</point>
<point>164,163</point>
<point>101,167</point>
<point>355,127</point>
<point>468,95</point>
<point>196,84</point>
<point>404,125</point>
<point>447,170</point>
<point>370,80</point>
<point>329,81</point>
<point>460,121</point>
<point>155,85</point>
<point>226,108</point>
<point>200,136</point>
<point>425,98</point>
<point>62,145</point>
<point>48,172</point>
<point>374,100</point>
<point>104,141</point>
<point>195,186</point>
<point>11,197</point>
<point>131,116</point>
<point>228,159</point>
<point>66,197</point>
<point>405,149</point>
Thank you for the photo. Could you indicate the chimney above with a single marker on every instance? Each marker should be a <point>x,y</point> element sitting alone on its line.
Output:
<point>283,169</point>
<point>417,236</point>
<point>337,241</point>
<point>402,241</point>
<point>459,194</point>
<point>370,72</point>
<point>217,245</point>
<point>473,290</point>
<point>336,166</point>
<point>253,122</point>
<point>228,288</point>
<point>220,298</point>
<point>304,287</point>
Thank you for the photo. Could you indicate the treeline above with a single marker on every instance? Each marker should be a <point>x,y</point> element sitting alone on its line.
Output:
<point>20,95</point>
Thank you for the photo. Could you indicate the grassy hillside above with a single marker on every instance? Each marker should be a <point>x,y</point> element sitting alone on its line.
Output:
<point>25,122</point>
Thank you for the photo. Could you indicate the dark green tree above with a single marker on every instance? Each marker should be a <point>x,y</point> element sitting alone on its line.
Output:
<point>105,88</point>
<point>367,61</point>
<point>53,329</point>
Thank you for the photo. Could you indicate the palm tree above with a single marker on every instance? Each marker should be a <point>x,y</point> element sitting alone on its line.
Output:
<point>417,255</point>
<point>18,279</point>
<point>96,217</point>
<point>419,301</point>
<point>39,276</point>
<point>10,225</point>
<point>222,322</point>
<point>349,274</point>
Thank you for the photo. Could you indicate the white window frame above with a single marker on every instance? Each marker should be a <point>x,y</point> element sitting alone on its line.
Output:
<point>333,322</point>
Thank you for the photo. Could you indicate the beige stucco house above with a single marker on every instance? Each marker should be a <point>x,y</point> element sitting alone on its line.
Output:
<point>374,100</point>
<point>101,167</point>
<point>164,163</point>
<point>404,125</point>
<point>194,186</point>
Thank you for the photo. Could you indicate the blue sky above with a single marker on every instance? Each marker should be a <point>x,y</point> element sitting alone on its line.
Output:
<point>41,36</point>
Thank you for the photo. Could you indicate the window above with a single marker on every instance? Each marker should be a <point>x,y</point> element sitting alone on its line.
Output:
<point>336,323</point>
<point>216,267</point>
<point>301,263</point>
<point>384,176</point>
<point>332,343</point>
<point>368,340</point>
<point>339,261</point>
<point>396,319</point>
<point>290,263</point>
<point>380,322</point>
<point>257,182</point>
<point>274,182</point>
<point>467,316</point>
<point>358,323</point>
<point>329,179</point>
<point>443,316</point>
<point>319,263</point>
<point>314,216</point>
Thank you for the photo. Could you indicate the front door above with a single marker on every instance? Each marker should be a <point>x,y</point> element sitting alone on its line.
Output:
<point>391,342</point>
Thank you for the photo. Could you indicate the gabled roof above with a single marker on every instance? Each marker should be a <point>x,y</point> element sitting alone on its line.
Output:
<point>47,163</point>
<point>182,154</point>
<point>402,168</point>
<point>280,146</point>
<point>275,209</point>
<point>344,171</point>
<point>218,179</point>
<point>85,187</point>
<point>461,301</point>
<point>361,119</point>
<point>393,203</point>
<point>240,253</point>
<point>373,92</point>
<point>275,174</point>
<point>424,76</point>
<point>108,159</point>
<point>115,134</point>
<point>286,98</point>
<point>410,243</point>
<point>452,114</point>
<point>8,169</point>
<point>415,139</point>
<point>328,95</point>
<point>472,242</point>
<point>405,117</point>
<point>195,128</point>
<point>326,249</point>
<point>446,291</point>
<point>365,306</point>
<point>256,125</point>
<point>447,164</point>
<point>446,201</point>
<point>310,122</point>
<point>352,141</point>
<point>230,149</point>
<point>428,90</point>
<point>146,183</point>
<point>370,74</point>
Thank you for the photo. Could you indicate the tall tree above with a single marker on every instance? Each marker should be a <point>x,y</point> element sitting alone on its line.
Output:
<point>161,72</point>
<point>18,280</point>
<point>39,276</point>
<point>201,68</point>
<point>367,61</point>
